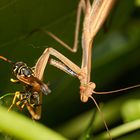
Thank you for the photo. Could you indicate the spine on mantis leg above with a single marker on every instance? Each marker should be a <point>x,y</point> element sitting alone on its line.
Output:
<point>62,67</point>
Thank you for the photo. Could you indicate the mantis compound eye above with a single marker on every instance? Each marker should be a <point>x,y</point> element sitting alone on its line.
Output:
<point>84,98</point>
<point>86,91</point>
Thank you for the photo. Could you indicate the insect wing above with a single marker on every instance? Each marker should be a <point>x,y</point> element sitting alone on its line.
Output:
<point>42,86</point>
<point>37,85</point>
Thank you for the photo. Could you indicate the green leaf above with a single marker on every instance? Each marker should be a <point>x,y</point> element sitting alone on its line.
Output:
<point>137,2</point>
<point>131,110</point>
<point>23,128</point>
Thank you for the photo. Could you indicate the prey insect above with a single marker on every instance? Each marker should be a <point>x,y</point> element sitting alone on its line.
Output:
<point>31,96</point>
<point>94,17</point>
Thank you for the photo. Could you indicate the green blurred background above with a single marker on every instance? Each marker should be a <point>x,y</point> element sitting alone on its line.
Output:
<point>115,63</point>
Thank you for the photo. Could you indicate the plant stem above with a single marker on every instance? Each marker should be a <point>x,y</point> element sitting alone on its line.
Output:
<point>120,130</point>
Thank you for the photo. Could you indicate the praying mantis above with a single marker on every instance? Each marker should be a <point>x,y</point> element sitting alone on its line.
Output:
<point>94,17</point>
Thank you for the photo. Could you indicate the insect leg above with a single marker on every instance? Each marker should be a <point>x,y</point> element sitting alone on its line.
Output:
<point>62,67</point>
<point>14,99</point>
<point>43,60</point>
<point>14,80</point>
<point>35,115</point>
<point>81,7</point>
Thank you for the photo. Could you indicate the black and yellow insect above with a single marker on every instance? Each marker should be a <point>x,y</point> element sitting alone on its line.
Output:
<point>33,89</point>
